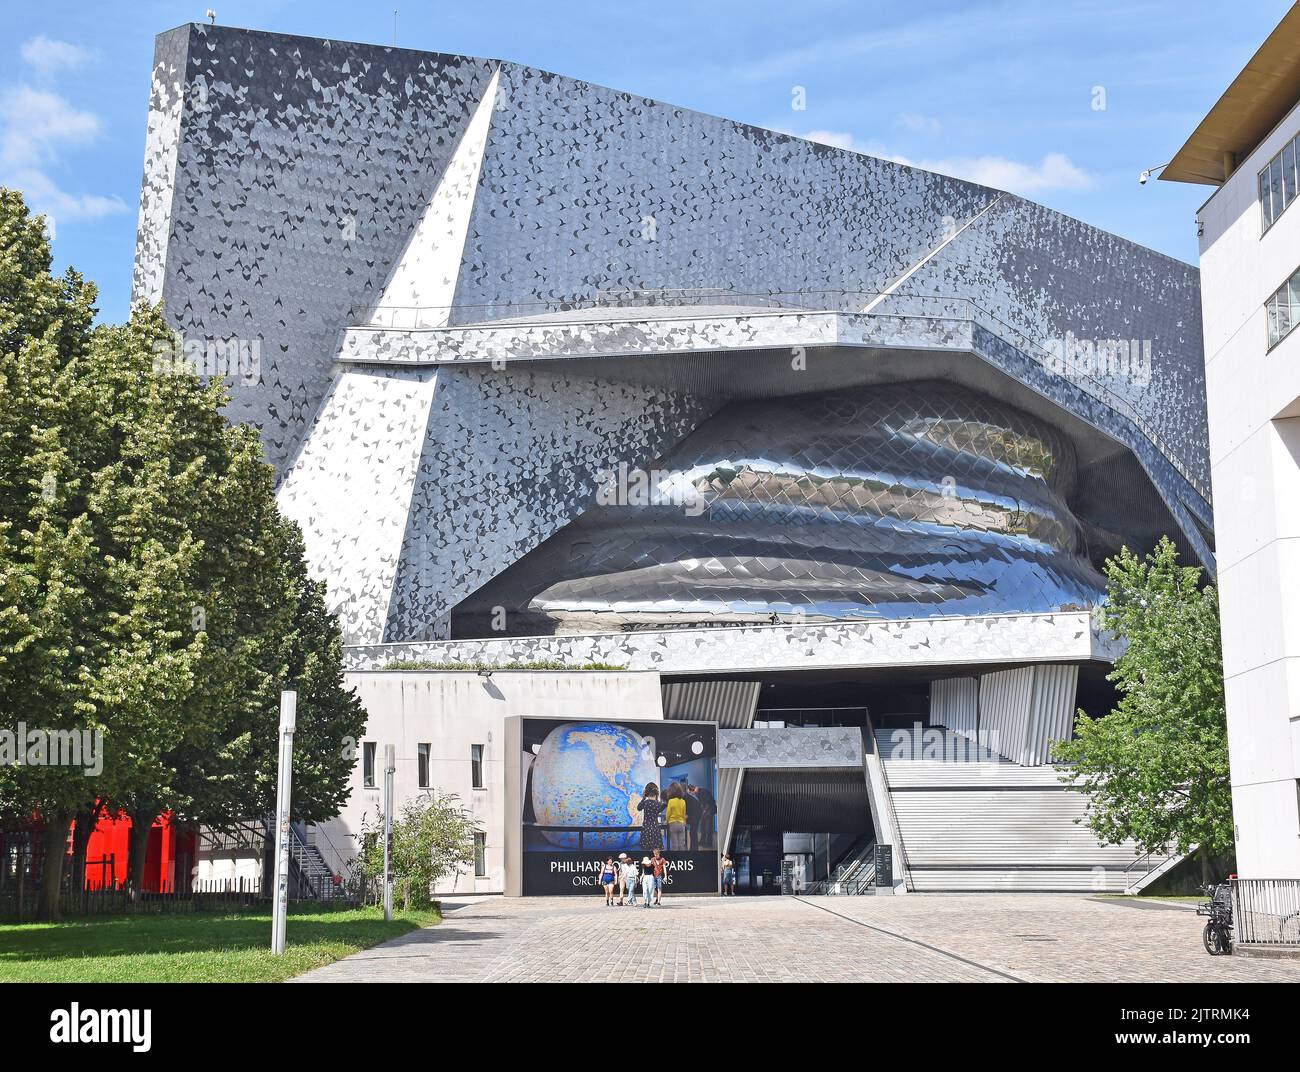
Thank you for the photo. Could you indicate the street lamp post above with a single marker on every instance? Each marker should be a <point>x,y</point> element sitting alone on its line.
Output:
<point>390,766</point>
<point>288,720</point>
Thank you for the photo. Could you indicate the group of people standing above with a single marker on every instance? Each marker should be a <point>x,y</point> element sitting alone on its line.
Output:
<point>687,810</point>
<point>624,876</point>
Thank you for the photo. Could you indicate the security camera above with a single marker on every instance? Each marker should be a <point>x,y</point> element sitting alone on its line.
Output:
<point>1142,179</point>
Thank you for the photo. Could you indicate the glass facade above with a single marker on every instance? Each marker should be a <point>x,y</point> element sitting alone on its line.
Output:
<point>1282,310</point>
<point>1277,185</point>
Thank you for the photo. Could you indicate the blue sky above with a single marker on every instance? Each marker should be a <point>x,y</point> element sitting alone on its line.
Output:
<point>1004,93</point>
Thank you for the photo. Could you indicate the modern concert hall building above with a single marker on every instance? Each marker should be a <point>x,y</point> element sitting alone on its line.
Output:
<point>593,407</point>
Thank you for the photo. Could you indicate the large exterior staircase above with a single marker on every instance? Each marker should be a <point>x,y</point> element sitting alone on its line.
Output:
<point>970,820</point>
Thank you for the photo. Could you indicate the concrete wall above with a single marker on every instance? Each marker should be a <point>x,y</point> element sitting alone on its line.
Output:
<point>452,711</point>
<point>1254,423</point>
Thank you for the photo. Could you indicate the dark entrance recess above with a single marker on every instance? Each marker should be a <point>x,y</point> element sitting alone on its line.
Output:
<point>805,819</point>
<point>781,812</point>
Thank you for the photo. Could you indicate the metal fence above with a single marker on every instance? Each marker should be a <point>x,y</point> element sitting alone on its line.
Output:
<point>1266,911</point>
<point>19,906</point>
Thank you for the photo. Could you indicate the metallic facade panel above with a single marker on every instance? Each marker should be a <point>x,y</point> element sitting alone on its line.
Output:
<point>1023,710</point>
<point>827,746</point>
<point>900,501</point>
<point>731,704</point>
<point>941,643</point>
<point>287,179</point>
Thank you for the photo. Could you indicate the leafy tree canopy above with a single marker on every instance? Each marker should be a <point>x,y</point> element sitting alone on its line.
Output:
<point>149,588</point>
<point>1156,768</point>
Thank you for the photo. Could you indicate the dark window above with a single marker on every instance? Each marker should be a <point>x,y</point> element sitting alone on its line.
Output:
<point>368,764</point>
<point>423,763</point>
<point>480,854</point>
<point>476,765</point>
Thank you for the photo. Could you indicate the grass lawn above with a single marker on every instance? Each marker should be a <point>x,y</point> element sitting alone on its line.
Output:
<point>197,947</point>
<point>1189,898</point>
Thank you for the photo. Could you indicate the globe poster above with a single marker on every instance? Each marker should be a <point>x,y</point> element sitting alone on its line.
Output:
<point>592,791</point>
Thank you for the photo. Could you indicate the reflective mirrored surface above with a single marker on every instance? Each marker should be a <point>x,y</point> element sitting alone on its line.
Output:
<point>908,500</point>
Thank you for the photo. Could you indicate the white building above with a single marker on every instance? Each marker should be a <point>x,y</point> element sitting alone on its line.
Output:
<point>1250,297</point>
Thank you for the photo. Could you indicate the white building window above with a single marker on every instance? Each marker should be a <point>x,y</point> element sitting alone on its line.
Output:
<point>368,764</point>
<point>480,854</point>
<point>476,766</point>
<point>422,763</point>
<point>1282,310</point>
<point>1278,185</point>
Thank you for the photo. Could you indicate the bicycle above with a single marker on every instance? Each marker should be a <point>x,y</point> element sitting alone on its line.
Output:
<point>1217,935</point>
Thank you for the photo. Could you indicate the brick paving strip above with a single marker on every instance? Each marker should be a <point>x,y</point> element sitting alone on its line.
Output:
<point>913,941</point>
<point>917,938</point>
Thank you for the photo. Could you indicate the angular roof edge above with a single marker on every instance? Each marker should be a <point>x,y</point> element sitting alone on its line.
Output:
<point>1258,99</point>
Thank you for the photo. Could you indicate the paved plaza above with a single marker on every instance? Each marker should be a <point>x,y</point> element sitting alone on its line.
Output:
<point>995,938</point>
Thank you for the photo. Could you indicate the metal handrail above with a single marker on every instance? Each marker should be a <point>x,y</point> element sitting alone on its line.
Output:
<point>889,803</point>
<point>1266,910</point>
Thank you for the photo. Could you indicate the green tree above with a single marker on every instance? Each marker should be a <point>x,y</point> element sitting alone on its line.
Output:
<point>232,774</point>
<point>89,637</point>
<point>149,588</point>
<point>1156,768</point>
<point>433,836</point>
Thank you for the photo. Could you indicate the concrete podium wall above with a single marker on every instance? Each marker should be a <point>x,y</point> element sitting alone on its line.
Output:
<point>452,710</point>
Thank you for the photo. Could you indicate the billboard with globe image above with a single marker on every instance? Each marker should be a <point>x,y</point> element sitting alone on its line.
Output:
<point>582,783</point>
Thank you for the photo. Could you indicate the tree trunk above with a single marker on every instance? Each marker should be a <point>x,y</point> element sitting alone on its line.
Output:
<point>56,845</point>
<point>85,826</point>
<point>1204,854</point>
<point>142,818</point>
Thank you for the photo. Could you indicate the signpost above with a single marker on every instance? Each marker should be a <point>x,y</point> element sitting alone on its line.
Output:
<point>280,911</point>
<point>787,877</point>
<point>390,766</point>
<point>884,868</point>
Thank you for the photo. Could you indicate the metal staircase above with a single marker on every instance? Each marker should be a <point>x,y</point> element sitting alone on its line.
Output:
<point>1147,868</point>
<point>310,875</point>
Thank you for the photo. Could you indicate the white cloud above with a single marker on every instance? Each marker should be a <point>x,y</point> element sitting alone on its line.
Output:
<point>43,195</point>
<point>1055,171</point>
<point>35,124</point>
<point>838,138</point>
<point>922,124</point>
<point>47,56</point>
<point>36,128</point>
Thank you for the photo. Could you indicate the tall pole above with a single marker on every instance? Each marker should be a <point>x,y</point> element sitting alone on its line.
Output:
<point>390,766</point>
<point>280,911</point>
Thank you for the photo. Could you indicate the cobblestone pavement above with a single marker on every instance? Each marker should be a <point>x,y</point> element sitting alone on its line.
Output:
<point>917,938</point>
